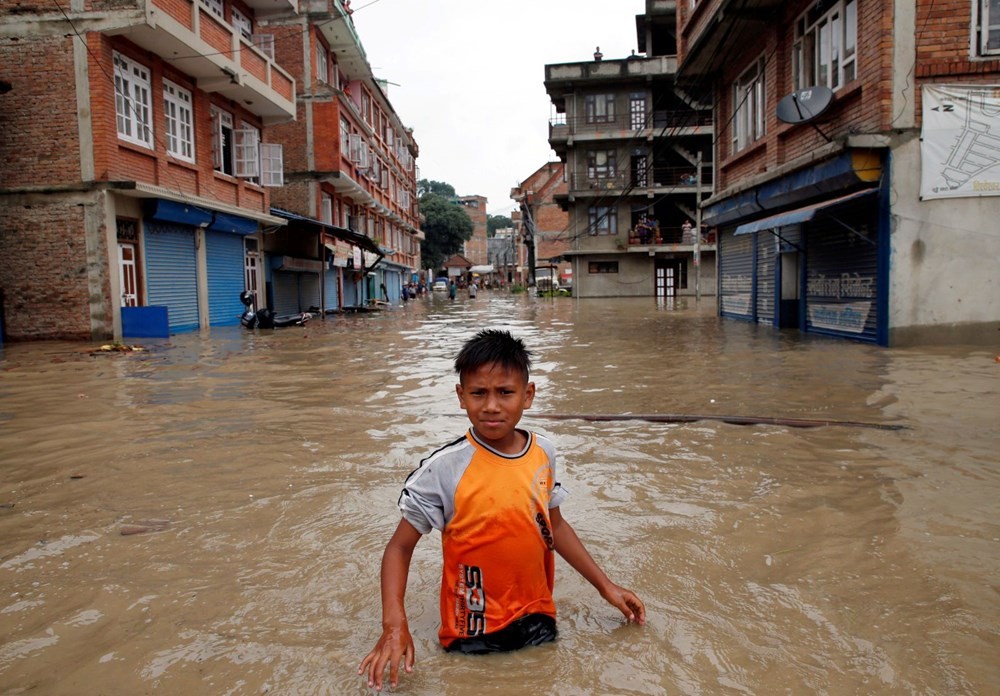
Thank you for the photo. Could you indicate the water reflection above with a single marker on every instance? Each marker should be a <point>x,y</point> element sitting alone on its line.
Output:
<point>265,467</point>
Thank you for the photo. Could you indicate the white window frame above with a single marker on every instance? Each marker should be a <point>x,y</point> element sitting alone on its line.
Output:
<point>326,208</point>
<point>987,23</point>
<point>272,165</point>
<point>825,51</point>
<point>322,63</point>
<point>242,24</point>
<point>215,7</point>
<point>246,151</point>
<point>749,106</point>
<point>178,112</point>
<point>133,101</point>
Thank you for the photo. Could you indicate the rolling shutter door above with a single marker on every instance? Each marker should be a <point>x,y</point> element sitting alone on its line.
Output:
<point>736,275</point>
<point>308,291</point>
<point>841,282</point>
<point>332,298</point>
<point>285,287</point>
<point>226,281</point>
<point>172,273</point>
<point>764,276</point>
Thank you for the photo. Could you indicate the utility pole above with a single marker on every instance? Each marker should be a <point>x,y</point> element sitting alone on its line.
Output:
<point>697,234</point>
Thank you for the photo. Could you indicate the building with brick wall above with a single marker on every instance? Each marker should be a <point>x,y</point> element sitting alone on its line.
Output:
<point>350,169</point>
<point>637,148</point>
<point>855,163</point>
<point>476,248</point>
<point>136,163</point>
<point>549,222</point>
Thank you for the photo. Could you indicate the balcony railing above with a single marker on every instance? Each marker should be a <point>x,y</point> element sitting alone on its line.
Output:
<point>677,238</point>
<point>655,177</point>
<point>656,123</point>
<point>217,55</point>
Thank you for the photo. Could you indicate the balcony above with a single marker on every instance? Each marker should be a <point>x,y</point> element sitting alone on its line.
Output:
<point>564,132</point>
<point>713,27</point>
<point>562,79</point>
<point>668,239</point>
<point>337,26</point>
<point>656,180</point>
<point>218,56</point>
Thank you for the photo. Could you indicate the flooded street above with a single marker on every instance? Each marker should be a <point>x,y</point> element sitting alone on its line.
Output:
<point>208,516</point>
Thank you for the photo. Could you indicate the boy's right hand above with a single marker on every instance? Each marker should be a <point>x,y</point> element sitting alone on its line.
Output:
<point>394,647</point>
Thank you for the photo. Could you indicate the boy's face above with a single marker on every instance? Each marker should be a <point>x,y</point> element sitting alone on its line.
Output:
<point>494,397</point>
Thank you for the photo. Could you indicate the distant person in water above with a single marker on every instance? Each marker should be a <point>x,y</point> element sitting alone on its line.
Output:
<point>452,290</point>
<point>493,495</point>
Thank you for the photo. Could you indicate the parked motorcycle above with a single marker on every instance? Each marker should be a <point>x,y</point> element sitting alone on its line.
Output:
<point>265,318</point>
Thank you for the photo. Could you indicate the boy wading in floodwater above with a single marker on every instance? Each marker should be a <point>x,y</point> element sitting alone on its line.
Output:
<point>493,495</point>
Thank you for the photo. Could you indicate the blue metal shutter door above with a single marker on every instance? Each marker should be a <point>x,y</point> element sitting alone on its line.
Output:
<point>172,273</point>
<point>224,256</point>
<point>285,290</point>
<point>331,290</point>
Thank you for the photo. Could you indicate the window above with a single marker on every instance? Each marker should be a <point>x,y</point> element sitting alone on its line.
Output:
<point>602,267</point>
<point>326,209</point>
<point>748,106</point>
<point>222,141</point>
<point>215,7</point>
<point>322,64</point>
<point>179,121</point>
<point>603,221</point>
<point>133,101</point>
<point>601,164</point>
<point>240,152</point>
<point>345,137</point>
<point>826,42</point>
<point>599,108</point>
<point>988,27</point>
<point>242,24</point>
<point>637,110</point>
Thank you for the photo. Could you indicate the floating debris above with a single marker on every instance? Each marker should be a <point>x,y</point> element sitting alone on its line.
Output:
<point>145,527</point>
<point>117,348</point>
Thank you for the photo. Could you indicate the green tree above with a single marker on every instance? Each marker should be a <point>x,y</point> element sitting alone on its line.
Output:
<point>446,227</point>
<point>438,188</point>
<point>497,222</point>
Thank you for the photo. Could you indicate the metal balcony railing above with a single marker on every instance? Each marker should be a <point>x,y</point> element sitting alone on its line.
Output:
<point>656,123</point>
<point>601,180</point>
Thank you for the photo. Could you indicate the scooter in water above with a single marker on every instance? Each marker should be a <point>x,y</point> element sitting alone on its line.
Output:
<point>265,318</point>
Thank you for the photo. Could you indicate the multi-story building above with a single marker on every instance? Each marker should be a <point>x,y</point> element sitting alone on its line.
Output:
<point>637,149</point>
<point>855,164</point>
<point>544,221</point>
<point>135,163</point>
<point>508,255</point>
<point>350,172</point>
<point>476,247</point>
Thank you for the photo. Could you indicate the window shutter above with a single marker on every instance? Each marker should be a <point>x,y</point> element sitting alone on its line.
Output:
<point>272,165</point>
<point>355,148</point>
<point>246,143</point>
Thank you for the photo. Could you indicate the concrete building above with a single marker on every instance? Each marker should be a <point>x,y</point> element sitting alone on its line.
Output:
<point>508,256</point>
<point>544,222</point>
<point>476,249</point>
<point>637,148</point>
<point>856,163</point>
<point>350,171</point>
<point>136,163</point>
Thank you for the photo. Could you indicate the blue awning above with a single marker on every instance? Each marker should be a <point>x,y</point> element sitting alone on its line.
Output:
<point>794,217</point>
<point>180,213</point>
<point>233,224</point>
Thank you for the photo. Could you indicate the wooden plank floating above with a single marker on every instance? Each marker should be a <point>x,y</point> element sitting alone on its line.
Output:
<point>732,420</point>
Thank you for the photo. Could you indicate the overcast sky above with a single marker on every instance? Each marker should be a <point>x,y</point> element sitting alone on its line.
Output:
<point>469,77</point>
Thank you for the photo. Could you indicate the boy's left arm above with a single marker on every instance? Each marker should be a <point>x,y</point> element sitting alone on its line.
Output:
<point>568,545</point>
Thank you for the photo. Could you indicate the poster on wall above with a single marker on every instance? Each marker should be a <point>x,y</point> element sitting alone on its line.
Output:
<point>960,141</point>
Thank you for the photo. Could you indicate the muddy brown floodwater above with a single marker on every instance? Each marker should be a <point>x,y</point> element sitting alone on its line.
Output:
<point>207,516</point>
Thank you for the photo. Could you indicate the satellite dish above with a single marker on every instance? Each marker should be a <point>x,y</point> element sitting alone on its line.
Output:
<point>804,105</point>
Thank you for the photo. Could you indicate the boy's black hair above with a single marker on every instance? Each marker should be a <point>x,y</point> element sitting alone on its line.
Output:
<point>493,346</point>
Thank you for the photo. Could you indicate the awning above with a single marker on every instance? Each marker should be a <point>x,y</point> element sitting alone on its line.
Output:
<point>233,224</point>
<point>180,213</point>
<point>794,217</point>
<point>355,238</point>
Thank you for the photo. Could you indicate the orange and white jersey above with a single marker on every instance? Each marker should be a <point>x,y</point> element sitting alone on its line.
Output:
<point>493,513</point>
